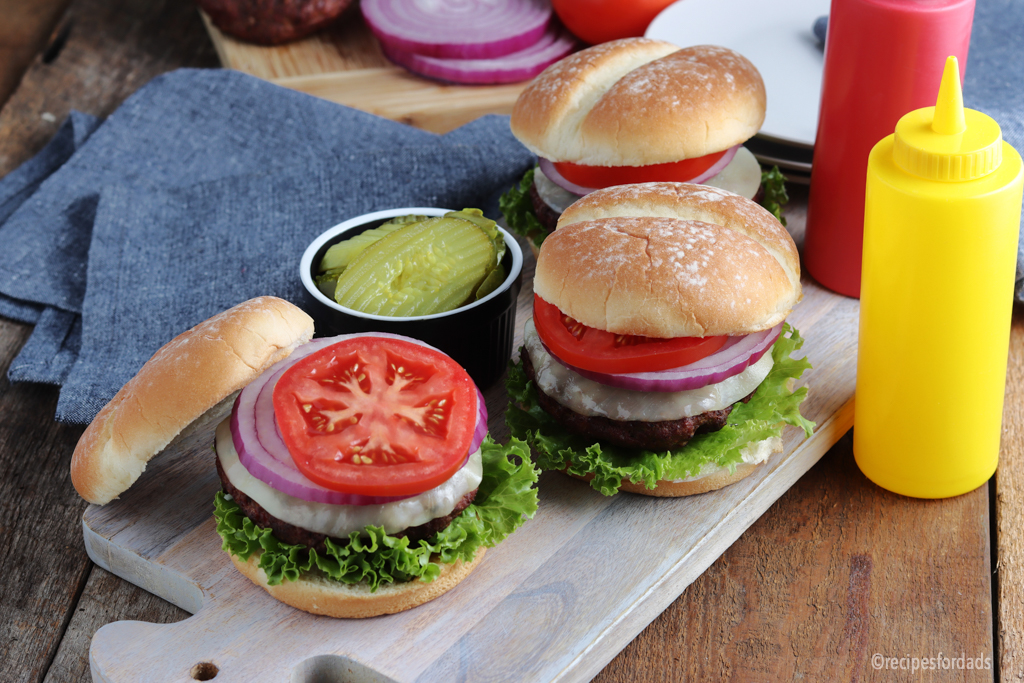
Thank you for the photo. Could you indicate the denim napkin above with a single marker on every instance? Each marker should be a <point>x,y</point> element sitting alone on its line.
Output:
<point>200,191</point>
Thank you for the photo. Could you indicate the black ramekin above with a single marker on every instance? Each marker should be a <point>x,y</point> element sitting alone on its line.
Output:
<point>478,336</point>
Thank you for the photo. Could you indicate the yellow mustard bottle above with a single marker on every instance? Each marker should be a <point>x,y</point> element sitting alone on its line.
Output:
<point>941,221</point>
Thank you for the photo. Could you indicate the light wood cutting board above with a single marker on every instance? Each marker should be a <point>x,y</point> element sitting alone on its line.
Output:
<point>344,64</point>
<point>554,602</point>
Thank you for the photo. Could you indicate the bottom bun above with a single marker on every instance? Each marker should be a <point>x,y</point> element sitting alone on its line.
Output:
<point>326,597</point>
<point>719,478</point>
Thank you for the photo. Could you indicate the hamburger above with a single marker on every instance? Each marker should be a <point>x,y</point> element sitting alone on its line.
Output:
<point>631,111</point>
<point>658,360</point>
<point>356,475</point>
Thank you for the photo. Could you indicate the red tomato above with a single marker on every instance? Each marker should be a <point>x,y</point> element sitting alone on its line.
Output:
<point>597,177</point>
<point>377,416</point>
<point>598,21</point>
<point>598,351</point>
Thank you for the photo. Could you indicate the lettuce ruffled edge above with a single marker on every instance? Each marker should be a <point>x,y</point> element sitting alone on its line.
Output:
<point>505,498</point>
<point>773,405</point>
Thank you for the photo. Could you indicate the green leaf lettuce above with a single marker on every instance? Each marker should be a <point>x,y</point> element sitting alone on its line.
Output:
<point>772,406</point>
<point>505,497</point>
<point>774,195</point>
<point>517,208</point>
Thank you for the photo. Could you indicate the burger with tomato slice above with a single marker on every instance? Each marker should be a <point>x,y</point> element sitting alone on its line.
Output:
<point>357,477</point>
<point>632,111</point>
<point>658,360</point>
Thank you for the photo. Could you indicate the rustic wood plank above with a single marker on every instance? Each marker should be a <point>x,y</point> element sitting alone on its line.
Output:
<point>835,572</point>
<point>41,556</point>
<point>106,597</point>
<point>1010,512</point>
<point>24,32</point>
<point>112,49</point>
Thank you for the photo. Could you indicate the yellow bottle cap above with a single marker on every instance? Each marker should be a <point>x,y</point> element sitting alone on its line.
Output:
<point>948,142</point>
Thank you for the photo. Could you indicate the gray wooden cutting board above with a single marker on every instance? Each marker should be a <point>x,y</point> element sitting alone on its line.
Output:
<point>554,602</point>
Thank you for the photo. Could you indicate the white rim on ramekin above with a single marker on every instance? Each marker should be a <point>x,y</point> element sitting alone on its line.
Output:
<point>306,264</point>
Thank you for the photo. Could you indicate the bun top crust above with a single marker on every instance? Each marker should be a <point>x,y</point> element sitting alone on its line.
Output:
<point>670,260</point>
<point>188,376</point>
<point>637,101</point>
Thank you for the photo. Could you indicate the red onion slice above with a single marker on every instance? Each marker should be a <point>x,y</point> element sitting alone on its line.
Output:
<point>458,29</point>
<point>736,356</point>
<point>557,178</point>
<point>716,167</point>
<point>262,451</point>
<point>548,169</point>
<point>511,68</point>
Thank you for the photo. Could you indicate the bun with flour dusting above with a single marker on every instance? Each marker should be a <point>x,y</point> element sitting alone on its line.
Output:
<point>638,110</point>
<point>658,361</point>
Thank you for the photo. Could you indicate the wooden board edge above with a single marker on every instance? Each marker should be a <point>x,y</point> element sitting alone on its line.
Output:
<point>623,630</point>
<point>150,576</point>
<point>216,37</point>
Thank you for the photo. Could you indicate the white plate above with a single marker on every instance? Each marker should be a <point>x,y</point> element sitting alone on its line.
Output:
<point>776,37</point>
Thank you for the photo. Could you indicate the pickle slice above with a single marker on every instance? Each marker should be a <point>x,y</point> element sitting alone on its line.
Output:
<point>423,268</point>
<point>339,255</point>
<point>488,226</point>
<point>491,282</point>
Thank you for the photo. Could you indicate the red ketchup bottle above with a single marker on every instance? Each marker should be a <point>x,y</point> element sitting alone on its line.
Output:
<point>883,58</point>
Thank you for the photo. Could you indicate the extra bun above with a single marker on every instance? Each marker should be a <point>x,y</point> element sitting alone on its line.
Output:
<point>192,374</point>
<point>717,478</point>
<point>637,101</point>
<point>670,260</point>
<point>355,601</point>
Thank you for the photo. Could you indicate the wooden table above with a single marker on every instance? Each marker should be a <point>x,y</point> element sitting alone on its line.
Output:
<point>837,570</point>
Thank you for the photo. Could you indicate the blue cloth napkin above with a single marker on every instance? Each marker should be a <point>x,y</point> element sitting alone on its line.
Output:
<point>202,190</point>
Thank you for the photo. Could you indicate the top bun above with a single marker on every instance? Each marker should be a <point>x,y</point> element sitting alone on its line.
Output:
<point>188,376</point>
<point>670,260</point>
<point>637,101</point>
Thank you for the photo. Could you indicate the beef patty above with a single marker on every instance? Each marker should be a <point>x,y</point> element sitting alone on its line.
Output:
<point>296,535</point>
<point>271,22</point>
<point>655,436</point>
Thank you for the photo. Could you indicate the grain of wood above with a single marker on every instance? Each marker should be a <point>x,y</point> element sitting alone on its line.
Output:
<point>24,32</point>
<point>113,48</point>
<point>1010,513</point>
<point>106,598</point>
<point>344,64</point>
<point>41,556</point>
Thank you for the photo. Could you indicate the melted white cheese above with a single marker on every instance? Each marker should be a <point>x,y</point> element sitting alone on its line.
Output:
<point>587,397</point>
<point>752,454</point>
<point>341,520</point>
<point>742,175</point>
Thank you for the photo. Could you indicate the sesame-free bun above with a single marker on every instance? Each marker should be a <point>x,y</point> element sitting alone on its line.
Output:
<point>190,375</point>
<point>324,596</point>
<point>637,101</point>
<point>716,478</point>
<point>670,260</point>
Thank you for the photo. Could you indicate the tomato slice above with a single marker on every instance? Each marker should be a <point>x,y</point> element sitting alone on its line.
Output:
<point>377,416</point>
<point>599,351</point>
<point>606,176</point>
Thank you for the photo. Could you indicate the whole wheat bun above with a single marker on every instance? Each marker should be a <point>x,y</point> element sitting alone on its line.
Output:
<point>670,260</point>
<point>718,478</point>
<point>198,371</point>
<point>330,598</point>
<point>637,101</point>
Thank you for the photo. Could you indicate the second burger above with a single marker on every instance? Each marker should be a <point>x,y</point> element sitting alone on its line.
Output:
<point>658,360</point>
<point>632,111</point>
